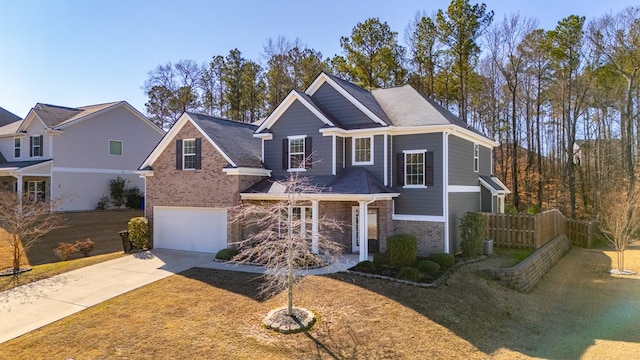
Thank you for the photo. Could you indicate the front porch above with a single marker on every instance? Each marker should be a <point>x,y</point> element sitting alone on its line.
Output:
<point>27,177</point>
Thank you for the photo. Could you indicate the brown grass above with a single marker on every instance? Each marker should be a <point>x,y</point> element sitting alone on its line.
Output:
<point>100,226</point>
<point>577,311</point>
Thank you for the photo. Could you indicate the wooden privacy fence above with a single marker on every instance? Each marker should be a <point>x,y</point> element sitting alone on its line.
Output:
<point>533,231</point>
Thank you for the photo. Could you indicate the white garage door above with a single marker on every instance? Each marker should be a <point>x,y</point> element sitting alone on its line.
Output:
<point>190,229</point>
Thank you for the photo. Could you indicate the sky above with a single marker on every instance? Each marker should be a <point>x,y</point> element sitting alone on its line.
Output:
<point>77,52</point>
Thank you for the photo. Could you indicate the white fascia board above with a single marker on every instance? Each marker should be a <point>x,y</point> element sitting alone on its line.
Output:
<point>264,136</point>
<point>430,218</point>
<point>322,78</point>
<point>463,189</point>
<point>321,197</point>
<point>284,105</point>
<point>494,191</point>
<point>30,117</point>
<point>144,173</point>
<point>410,130</point>
<point>165,141</point>
<point>247,171</point>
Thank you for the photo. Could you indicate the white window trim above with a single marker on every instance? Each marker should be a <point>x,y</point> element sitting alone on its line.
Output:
<point>353,151</point>
<point>39,146</point>
<point>304,148</point>
<point>476,157</point>
<point>414,186</point>
<point>184,154</point>
<point>19,148</point>
<point>35,191</point>
<point>121,147</point>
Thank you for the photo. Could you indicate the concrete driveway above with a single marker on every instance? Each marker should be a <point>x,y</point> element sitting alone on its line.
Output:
<point>34,305</point>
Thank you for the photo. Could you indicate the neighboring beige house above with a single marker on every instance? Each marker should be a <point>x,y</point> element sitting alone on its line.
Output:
<point>71,154</point>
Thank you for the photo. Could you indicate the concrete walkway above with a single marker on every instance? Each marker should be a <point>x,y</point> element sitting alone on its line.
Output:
<point>31,306</point>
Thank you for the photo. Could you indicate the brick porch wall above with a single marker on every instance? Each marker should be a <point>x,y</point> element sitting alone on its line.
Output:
<point>430,234</point>
<point>205,187</point>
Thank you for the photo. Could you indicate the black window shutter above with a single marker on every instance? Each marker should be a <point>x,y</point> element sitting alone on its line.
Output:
<point>308,150</point>
<point>30,146</point>
<point>285,154</point>
<point>428,168</point>
<point>178,154</point>
<point>41,145</point>
<point>400,169</point>
<point>198,153</point>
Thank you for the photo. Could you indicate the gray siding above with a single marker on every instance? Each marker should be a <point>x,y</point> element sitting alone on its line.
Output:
<point>485,161</point>
<point>377,169</point>
<point>339,107</point>
<point>298,120</point>
<point>420,201</point>
<point>460,204</point>
<point>461,170</point>
<point>340,141</point>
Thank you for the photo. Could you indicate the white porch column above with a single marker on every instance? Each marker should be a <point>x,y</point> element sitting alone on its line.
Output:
<point>19,191</point>
<point>363,231</point>
<point>314,226</point>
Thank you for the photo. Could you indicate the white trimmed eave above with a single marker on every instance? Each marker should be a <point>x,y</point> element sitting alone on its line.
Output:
<point>247,171</point>
<point>171,135</point>
<point>322,78</point>
<point>320,197</point>
<point>16,171</point>
<point>494,191</point>
<point>264,136</point>
<point>408,130</point>
<point>144,173</point>
<point>285,104</point>
<point>53,132</point>
<point>27,121</point>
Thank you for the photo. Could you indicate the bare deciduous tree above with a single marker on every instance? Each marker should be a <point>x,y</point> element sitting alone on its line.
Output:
<point>25,221</point>
<point>281,237</point>
<point>620,220</point>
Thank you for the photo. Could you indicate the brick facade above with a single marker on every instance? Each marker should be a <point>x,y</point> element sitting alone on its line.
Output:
<point>205,187</point>
<point>431,235</point>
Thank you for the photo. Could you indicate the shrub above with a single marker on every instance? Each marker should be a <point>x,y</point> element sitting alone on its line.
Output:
<point>380,259</point>
<point>428,266</point>
<point>65,250</point>
<point>402,249</point>
<point>226,254</point>
<point>139,232</point>
<point>117,187</point>
<point>365,266</point>
<point>134,197</point>
<point>103,203</point>
<point>443,259</point>
<point>85,247</point>
<point>409,273</point>
<point>472,233</point>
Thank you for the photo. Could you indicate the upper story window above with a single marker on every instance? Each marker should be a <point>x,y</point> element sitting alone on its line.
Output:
<point>188,154</point>
<point>362,151</point>
<point>115,148</point>
<point>36,145</point>
<point>415,169</point>
<point>296,153</point>
<point>17,142</point>
<point>476,157</point>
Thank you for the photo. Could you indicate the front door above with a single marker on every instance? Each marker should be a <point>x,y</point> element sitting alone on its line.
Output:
<point>372,228</point>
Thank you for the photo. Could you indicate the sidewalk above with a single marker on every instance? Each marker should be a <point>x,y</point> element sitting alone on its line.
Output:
<point>31,306</point>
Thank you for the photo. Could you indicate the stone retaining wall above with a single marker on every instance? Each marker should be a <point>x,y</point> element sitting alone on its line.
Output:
<point>524,276</point>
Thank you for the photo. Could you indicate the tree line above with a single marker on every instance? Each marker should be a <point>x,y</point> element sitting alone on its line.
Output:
<point>563,102</point>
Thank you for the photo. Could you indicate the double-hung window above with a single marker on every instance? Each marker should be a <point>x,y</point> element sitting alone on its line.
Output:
<point>362,151</point>
<point>17,142</point>
<point>414,168</point>
<point>476,157</point>
<point>36,190</point>
<point>36,145</point>
<point>296,153</point>
<point>189,154</point>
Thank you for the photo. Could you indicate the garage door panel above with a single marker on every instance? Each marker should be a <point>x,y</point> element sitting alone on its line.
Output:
<point>190,229</point>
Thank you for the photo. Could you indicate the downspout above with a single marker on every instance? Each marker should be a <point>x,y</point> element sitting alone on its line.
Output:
<point>445,189</point>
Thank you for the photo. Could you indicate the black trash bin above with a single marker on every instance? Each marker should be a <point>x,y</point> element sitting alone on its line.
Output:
<point>126,243</point>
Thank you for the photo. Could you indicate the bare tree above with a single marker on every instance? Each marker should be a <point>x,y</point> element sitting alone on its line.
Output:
<point>25,221</point>
<point>281,237</point>
<point>620,220</point>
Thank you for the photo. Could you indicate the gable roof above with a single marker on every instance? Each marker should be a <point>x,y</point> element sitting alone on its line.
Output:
<point>7,117</point>
<point>232,139</point>
<point>305,100</point>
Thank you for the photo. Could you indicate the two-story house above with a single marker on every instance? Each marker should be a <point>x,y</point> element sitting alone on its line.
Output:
<point>72,154</point>
<point>400,158</point>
